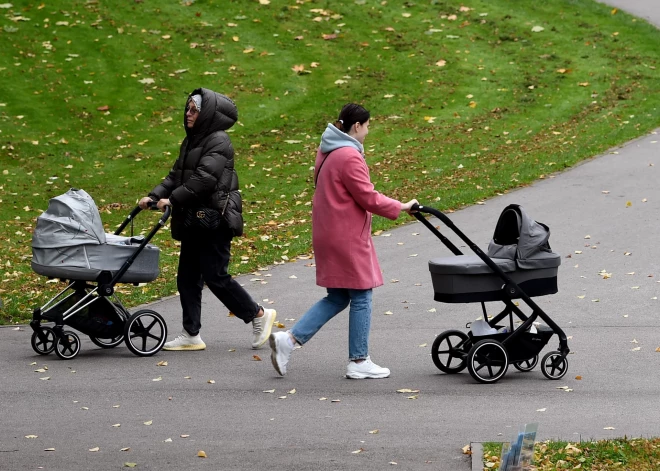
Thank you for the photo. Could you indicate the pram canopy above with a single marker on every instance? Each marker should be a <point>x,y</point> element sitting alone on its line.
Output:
<point>70,242</point>
<point>519,237</point>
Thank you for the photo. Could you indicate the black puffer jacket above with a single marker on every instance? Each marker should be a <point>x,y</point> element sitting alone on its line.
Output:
<point>203,175</point>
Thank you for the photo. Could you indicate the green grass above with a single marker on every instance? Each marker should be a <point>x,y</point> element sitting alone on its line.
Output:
<point>509,106</point>
<point>639,454</point>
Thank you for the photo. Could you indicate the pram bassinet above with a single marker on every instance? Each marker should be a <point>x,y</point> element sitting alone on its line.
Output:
<point>69,242</point>
<point>519,248</point>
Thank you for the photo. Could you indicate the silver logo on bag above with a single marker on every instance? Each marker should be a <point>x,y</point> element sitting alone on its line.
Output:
<point>201,214</point>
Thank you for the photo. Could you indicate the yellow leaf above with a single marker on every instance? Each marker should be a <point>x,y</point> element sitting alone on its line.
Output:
<point>256,357</point>
<point>578,377</point>
<point>441,63</point>
<point>235,38</point>
<point>467,450</point>
<point>201,454</point>
<point>157,379</point>
<point>293,391</point>
<point>129,465</point>
<point>614,11</point>
<point>31,436</point>
<point>148,422</point>
<point>472,104</point>
<point>161,363</point>
<point>373,432</point>
<point>211,381</point>
<point>628,204</point>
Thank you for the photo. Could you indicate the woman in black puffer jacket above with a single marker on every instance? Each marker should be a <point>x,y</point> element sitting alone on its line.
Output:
<point>204,177</point>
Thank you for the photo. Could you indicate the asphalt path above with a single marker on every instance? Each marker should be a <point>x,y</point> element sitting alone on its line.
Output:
<point>235,408</point>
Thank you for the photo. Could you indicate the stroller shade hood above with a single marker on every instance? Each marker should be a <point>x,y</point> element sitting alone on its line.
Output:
<point>71,219</point>
<point>518,237</point>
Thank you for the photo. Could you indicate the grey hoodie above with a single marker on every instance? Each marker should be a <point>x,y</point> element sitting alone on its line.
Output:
<point>333,138</point>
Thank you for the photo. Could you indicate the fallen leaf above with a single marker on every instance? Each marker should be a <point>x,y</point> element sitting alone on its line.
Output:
<point>148,422</point>
<point>117,425</point>
<point>269,391</point>
<point>125,449</point>
<point>578,377</point>
<point>256,357</point>
<point>373,432</point>
<point>467,450</point>
<point>94,449</point>
<point>293,391</point>
<point>129,465</point>
<point>211,381</point>
<point>609,428</point>
<point>157,379</point>
<point>201,454</point>
<point>357,451</point>
<point>161,363</point>
<point>167,440</point>
<point>541,410</point>
<point>185,436</point>
<point>31,436</point>
<point>49,449</point>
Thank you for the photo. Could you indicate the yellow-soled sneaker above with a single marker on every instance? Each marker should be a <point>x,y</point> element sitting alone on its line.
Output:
<point>184,341</point>
<point>261,327</point>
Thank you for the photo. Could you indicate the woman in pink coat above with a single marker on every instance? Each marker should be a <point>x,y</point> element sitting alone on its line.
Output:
<point>346,262</point>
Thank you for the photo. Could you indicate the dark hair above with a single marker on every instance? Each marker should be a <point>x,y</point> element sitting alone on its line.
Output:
<point>350,114</point>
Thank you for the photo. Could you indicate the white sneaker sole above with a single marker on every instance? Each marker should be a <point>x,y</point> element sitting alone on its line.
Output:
<point>273,355</point>
<point>182,348</point>
<point>267,331</point>
<point>366,376</point>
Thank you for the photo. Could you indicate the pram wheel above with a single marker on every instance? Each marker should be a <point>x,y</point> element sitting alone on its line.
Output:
<point>526,365</point>
<point>450,345</point>
<point>107,343</point>
<point>46,343</point>
<point>145,332</point>
<point>554,365</point>
<point>487,361</point>
<point>68,345</point>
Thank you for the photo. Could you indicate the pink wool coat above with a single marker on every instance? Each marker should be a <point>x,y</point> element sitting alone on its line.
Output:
<point>343,203</point>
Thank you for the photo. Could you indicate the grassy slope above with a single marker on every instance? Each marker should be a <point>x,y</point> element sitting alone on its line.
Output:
<point>509,106</point>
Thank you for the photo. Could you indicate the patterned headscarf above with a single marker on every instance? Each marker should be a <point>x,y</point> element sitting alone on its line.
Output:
<point>197,99</point>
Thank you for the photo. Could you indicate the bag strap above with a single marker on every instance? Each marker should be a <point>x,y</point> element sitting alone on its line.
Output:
<point>316,178</point>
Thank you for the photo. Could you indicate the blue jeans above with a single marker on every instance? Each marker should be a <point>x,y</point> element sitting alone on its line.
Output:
<point>359,319</point>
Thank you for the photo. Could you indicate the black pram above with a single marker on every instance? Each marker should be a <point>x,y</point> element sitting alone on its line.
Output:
<point>70,243</point>
<point>519,265</point>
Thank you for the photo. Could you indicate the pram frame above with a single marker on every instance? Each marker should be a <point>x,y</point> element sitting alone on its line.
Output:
<point>510,290</point>
<point>66,343</point>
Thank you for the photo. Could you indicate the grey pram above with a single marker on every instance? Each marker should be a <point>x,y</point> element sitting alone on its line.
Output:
<point>519,265</point>
<point>70,243</point>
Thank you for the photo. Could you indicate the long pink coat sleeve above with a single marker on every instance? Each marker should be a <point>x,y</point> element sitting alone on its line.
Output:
<point>343,203</point>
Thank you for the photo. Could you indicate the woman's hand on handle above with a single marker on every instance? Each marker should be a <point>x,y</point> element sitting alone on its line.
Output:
<point>162,203</point>
<point>144,202</point>
<point>407,207</point>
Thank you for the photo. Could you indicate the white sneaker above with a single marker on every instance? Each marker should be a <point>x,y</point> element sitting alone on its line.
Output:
<point>366,369</point>
<point>281,351</point>
<point>261,327</point>
<point>185,341</point>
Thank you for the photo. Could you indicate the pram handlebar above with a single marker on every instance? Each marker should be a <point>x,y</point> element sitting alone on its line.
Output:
<point>417,209</point>
<point>127,264</point>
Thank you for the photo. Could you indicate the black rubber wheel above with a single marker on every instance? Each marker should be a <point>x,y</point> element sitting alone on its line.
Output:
<point>107,343</point>
<point>554,365</point>
<point>487,361</point>
<point>45,345</point>
<point>145,332</point>
<point>450,346</point>
<point>67,346</point>
<point>527,365</point>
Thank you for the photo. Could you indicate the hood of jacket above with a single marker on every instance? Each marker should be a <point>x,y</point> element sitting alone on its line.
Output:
<point>333,138</point>
<point>219,113</point>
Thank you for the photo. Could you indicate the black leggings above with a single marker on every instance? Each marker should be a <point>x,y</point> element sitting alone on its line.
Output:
<point>206,260</point>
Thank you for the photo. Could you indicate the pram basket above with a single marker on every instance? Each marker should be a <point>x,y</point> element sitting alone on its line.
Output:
<point>70,243</point>
<point>519,265</point>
